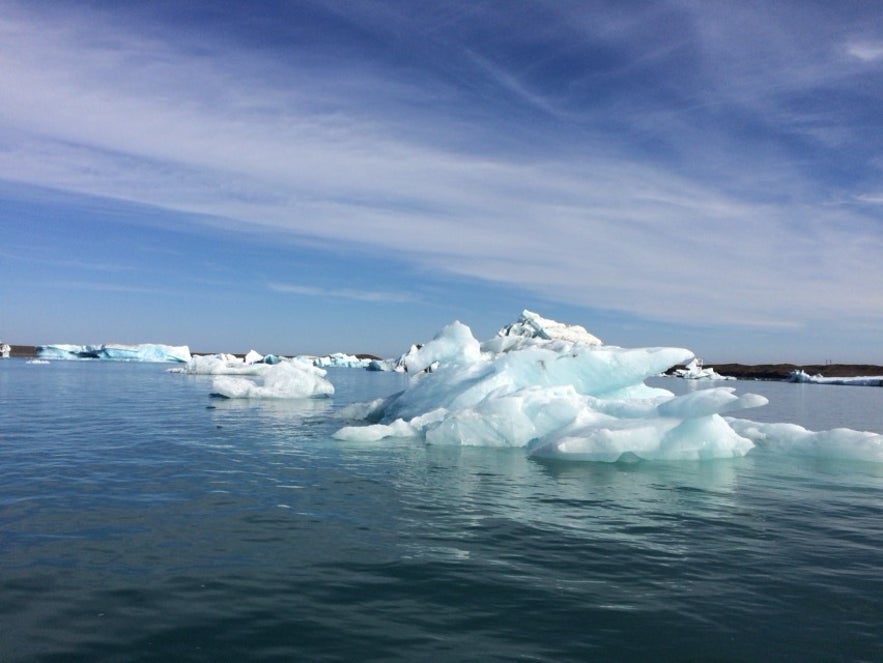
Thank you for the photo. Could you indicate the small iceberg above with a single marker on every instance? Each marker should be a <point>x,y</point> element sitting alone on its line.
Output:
<point>276,379</point>
<point>799,375</point>
<point>285,380</point>
<point>694,370</point>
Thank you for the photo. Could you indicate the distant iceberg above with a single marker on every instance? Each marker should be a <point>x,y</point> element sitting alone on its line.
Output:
<point>337,360</point>
<point>694,370</point>
<point>219,364</point>
<point>285,380</point>
<point>278,378</point>
<point>565,397</point>
<point>861,381</point>
<point>146,352</point>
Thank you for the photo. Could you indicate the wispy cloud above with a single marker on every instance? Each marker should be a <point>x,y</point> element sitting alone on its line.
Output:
<point>670,181</point>
<point>344,293</point>
<point>866,51</point>
<point>96,286</point>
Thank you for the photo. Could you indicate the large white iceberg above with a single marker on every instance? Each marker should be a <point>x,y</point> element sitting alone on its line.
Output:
<point>147,352</point>
<point>570,398</point>
<point>556,397</point>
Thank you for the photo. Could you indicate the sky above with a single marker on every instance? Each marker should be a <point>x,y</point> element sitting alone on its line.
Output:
<point>311,177</point>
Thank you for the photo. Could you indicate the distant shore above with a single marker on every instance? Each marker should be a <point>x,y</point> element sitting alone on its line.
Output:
<point>739,371</point>
<point>22,351</point>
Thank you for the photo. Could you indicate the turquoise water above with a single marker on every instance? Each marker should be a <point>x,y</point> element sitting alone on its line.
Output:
<point>142,520</point>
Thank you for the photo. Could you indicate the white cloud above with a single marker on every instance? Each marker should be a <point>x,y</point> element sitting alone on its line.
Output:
<point>870,198</point>
<point>343,293</point>
<point>237,138</point>
<point>866,51</point>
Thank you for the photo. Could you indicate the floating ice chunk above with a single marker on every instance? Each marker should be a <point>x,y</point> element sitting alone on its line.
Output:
<point>556,397</point>
<point>253,357</point>
<point>283,380</point>
<point>146,352</point>
<point>563,398</point>
<point>219,364</point>
<point>794,440</point>
<point>397,428</point>
<point>696,371</point>
<point>338,360</point>
<point>383,365</point>
<point>454,344</point>
<point>861,381</point>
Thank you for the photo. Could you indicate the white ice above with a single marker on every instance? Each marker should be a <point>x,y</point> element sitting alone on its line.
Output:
<point>146,352</point>
<point>794,440</point>
<point>219,364</point>
<point>557,397</point>
<point>861,381</point>
<point>287,379</point>
<point>338,360</point>
<point>696,371</point>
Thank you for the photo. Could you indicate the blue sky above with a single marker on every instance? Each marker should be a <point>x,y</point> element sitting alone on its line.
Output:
<point>310,177</point>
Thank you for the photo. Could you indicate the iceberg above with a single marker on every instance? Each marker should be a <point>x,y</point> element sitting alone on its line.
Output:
<point>218,364</point>
<point>337,360</point>
<point>284,380</point>
<point>146,352</point>
<point>860,381</point>
<point>280,378</point>
<point>696,371</point>
<point>557,392</point>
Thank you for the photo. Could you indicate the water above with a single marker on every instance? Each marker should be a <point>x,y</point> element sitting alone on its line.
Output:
<point>141,520</point>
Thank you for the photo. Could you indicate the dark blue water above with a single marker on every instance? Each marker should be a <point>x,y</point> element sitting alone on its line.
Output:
<point>141,520</point>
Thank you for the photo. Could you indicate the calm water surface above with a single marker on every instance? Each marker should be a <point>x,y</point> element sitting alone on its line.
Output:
<point>141,520</point>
